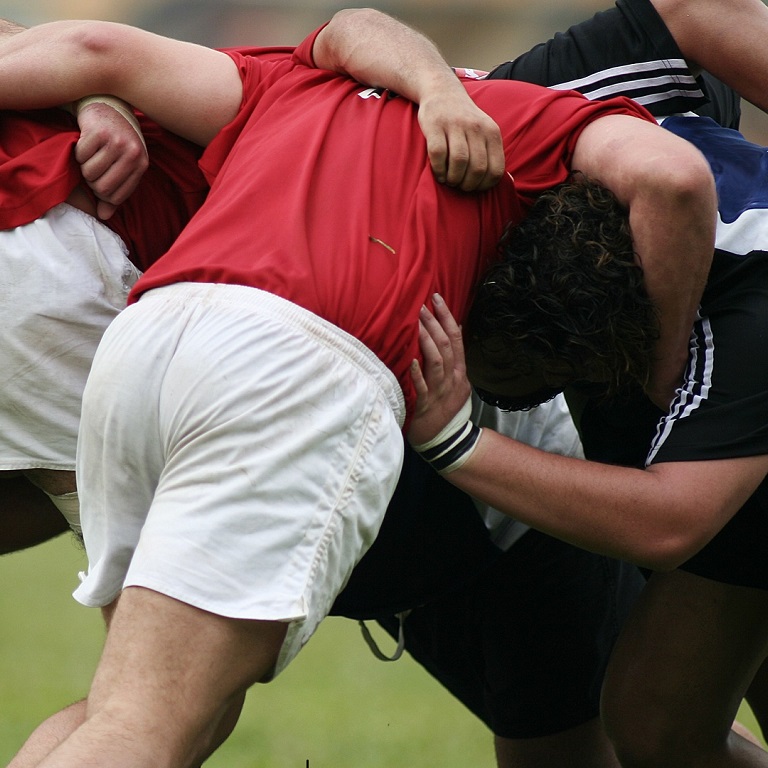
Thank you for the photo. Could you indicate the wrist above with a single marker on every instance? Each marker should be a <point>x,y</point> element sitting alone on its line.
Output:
<point>454,444</point>
<point>118,105</point>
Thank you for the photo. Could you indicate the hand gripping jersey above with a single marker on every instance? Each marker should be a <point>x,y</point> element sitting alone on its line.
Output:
<point>38,171</point>
<point>322,194</point>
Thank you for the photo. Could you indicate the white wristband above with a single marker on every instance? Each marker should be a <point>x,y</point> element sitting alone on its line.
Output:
<point>120,106</point>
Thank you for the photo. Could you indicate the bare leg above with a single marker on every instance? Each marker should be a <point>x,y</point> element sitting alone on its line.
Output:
<point>46,737</point>
<point>585,746</point>
<point>724,37</point>
<point>166,684</point>
<point>679,671</point>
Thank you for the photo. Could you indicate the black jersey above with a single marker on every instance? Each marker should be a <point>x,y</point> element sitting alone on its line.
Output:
<point>641,61</point>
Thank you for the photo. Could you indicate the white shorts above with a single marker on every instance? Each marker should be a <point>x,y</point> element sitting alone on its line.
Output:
<point>236,453</point>
<point>64,278</point>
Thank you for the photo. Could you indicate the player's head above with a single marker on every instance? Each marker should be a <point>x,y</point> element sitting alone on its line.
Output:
<point>566,302</point>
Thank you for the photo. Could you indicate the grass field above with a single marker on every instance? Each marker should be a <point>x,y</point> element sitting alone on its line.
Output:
<point>334,707</point>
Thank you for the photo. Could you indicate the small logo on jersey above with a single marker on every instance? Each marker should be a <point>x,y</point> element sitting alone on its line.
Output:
<point>368,93</point>
<point>470,74</point>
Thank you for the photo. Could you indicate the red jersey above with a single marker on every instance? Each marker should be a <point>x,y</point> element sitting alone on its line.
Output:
<point>322,193</point>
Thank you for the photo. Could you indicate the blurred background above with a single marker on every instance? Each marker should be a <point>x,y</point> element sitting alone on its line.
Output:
<point>336,706</point>
<point>479,34</point>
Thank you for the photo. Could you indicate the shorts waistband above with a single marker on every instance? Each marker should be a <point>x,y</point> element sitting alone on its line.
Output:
<point>325,332</point>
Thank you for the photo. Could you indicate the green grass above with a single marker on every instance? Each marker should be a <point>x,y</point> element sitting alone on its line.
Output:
<point>335,706</point>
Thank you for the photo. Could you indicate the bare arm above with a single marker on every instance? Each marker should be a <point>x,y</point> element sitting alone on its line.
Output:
<point>668,188</point>
<point>189,89</point>
<point>725,37</point>
<point>111,150</point>
<point>658,517</point>
<point>464,144</point>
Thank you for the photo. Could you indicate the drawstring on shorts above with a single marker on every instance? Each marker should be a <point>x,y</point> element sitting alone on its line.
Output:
<point>375,650</point>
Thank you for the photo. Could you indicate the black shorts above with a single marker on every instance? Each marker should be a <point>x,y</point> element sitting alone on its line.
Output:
<point>641,61</point>
<point>525,646</point>
<point>432,540</point>
<point>521,637</point>
<point>732,418</point>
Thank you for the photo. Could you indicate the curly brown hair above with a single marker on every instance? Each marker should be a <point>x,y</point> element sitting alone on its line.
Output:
<point>568,292</point>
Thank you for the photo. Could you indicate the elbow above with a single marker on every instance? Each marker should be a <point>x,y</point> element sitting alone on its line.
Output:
<point>335,43</point>
<point>98,47</point>
<point>670,548</point>
<point>354,16</point>
<point>688,183</point>
<point>94,39</point>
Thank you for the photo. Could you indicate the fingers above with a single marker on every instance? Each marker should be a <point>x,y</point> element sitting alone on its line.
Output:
<point>442,349</point>
<point>440,382</point>
<point>475,159</point>
<point>111,170</point>
<point>469,162</point>
<point>111,154</point>
<point>419,384</point>
<point>451,342</point>
<point>464,145</point>
<point>495,164</point>
<point>436,346</point>
<point>104,210</point>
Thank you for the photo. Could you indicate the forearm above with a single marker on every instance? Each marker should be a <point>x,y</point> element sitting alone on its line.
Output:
<point>464,145</point>
<point>673,232</point>
<point>657,517</point>
<point>597,507</point>
<point>378,50</point>
<point>188,89</point>
<point>32,78</point>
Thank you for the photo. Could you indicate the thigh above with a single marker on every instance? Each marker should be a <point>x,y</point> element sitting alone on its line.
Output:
<point>149,666</point>
<point>685,658</point>
<point>585,746</point>
<point>757,696</point>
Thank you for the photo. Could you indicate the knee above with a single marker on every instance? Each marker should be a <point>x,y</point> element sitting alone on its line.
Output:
<point>638,742</point>
<point>646,735</point>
